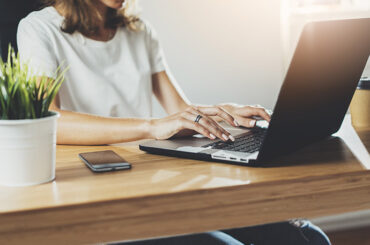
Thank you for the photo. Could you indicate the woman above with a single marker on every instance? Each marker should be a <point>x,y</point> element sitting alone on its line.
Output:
<point>115,64</point>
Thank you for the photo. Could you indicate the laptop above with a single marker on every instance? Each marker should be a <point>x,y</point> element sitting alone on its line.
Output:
<point>322,77</point>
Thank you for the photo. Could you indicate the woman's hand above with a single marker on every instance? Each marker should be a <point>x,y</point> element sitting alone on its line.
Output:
<point>175,124</point>
<point>245,115</point>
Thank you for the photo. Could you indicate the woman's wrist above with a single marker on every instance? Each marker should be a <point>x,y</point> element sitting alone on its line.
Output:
<point>149,128</point>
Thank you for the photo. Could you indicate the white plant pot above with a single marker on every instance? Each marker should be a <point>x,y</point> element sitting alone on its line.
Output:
<point>27,150</point>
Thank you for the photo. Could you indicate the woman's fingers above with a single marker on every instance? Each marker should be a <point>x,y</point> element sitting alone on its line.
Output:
<point>225,135</point>
<point>186,124</point>
<point>219,111</point>
<point>215,129</point>
<point>206,125</point>
<point>212,123</point>
<point>262,113</point>
<point>247,122</point>
<point>249,111</point>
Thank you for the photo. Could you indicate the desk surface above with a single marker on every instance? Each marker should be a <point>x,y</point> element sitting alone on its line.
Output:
<point>164,195</point>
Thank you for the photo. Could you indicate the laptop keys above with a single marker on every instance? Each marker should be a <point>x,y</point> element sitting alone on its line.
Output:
<point>245,143</point>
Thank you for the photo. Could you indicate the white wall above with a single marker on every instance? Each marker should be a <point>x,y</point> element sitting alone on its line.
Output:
<point>221,50</point>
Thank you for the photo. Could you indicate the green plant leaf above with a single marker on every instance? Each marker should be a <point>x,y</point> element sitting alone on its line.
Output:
<point>23,96</point>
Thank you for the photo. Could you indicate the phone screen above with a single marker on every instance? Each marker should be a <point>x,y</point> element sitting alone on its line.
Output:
<point>104,161</point>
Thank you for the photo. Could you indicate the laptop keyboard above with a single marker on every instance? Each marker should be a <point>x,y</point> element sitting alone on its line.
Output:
<point>250,142</point>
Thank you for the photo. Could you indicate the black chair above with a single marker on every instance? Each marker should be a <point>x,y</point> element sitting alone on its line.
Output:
<point>11,12</point>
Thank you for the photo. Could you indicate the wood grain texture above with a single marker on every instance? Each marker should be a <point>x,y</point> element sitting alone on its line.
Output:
<point>167,196</point>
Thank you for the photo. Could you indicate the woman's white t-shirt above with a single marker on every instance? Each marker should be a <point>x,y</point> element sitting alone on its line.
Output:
<point>110,78</point>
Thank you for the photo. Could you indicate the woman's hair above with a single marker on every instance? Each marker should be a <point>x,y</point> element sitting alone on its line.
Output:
<point>84,17</point>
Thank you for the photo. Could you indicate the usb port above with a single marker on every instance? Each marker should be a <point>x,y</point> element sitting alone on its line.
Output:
<point>232,158</point>
<point>242,159</point>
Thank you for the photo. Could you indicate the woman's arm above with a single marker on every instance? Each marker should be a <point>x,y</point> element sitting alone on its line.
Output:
<point>168,94</point>
<point>83,129</point>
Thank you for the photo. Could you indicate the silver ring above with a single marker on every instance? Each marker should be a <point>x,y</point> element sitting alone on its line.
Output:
<point>197,119</point>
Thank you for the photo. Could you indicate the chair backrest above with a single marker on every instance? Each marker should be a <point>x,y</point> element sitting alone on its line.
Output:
<point>11,12</point>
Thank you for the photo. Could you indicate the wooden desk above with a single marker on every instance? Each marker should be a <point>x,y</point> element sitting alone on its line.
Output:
<point>166,196</point>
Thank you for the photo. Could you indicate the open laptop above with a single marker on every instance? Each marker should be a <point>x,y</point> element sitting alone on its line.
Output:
<point>321,80</point>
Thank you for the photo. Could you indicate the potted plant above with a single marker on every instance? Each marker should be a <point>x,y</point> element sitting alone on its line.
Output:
<point>27,127</point>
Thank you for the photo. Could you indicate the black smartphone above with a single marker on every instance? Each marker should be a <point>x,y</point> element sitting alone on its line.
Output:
<point>104,161</point>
